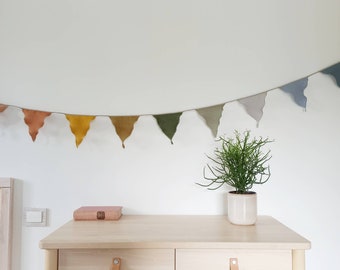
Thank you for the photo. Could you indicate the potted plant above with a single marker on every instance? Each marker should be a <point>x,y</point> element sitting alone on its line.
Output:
<point>239,163</point>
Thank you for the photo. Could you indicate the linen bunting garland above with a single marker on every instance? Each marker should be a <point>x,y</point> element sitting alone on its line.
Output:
<point>3,107</point>
<point>168,123</point>
<point>333,71</point>
<point>254,105</point>
<point>296,91</point>
<point>212,116</point>
<point>34,120</point>
<point>79,125</point>
<point>124,126</point>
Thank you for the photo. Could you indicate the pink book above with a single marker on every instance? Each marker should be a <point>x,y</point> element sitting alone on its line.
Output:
<point>98,213</point>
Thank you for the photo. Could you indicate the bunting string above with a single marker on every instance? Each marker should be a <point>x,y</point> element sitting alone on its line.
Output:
<point>168,123</point>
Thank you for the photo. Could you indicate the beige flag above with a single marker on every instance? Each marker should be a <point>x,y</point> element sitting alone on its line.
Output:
<point>254,105</point>
<point>124,126</point>
<point>212,116</point>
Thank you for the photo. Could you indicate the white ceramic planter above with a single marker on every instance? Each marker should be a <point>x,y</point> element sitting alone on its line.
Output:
<point>242,208</point>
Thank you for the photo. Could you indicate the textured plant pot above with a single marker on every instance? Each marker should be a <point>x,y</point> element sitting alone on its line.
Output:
<point>242,208</point>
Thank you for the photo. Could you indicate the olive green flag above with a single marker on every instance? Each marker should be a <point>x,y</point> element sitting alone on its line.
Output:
<point>168,123</point>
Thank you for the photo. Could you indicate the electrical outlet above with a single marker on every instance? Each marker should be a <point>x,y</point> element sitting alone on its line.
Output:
<point>35,217</point>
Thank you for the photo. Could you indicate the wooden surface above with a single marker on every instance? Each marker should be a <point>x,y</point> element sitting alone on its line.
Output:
<point>131,259</point>
<point>6,198</point>
<point>51,259</point>
<point>174,232</point>
<point>219,259</point>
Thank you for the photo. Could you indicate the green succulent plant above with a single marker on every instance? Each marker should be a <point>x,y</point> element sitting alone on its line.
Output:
<point>239,163</point>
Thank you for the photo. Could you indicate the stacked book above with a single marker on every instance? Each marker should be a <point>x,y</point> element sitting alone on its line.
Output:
<point>98,213</point>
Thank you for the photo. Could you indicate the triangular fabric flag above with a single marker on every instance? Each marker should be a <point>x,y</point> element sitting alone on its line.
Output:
<point>254,105</point>
<point>79,125</point>
<point>168,123</point>
<point>3,107</point>
<point>124,126</point>
<point>296,91</point>
<point>333,71</point>
<point>34,120</point>
<point>212,116</point>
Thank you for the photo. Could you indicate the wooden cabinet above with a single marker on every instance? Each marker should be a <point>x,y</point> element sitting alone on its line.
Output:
<point>218,259</point>
<point>142,259</point>
<point>6,208</point>
<point>174,242</point>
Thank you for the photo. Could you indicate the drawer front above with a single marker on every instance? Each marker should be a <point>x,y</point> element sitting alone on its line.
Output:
<point>218,259</point>
<point>131,259</point>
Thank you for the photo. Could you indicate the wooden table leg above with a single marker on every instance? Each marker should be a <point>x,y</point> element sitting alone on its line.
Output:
<point>298,259</point>
<point>51,259</point>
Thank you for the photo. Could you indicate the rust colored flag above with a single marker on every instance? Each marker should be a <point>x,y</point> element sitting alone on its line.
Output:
<point>34,120</point>
<point>79,124</point>
<point>124,126</point>
<point>3,107</point>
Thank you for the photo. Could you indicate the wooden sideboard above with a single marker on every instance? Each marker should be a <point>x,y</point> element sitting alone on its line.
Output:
<point>174,242</point>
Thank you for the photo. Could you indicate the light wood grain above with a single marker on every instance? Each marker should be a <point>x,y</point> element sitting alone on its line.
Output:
<point>51,259</point>
<point>175,242</point>
<point>6,209</point>
<point>298,259</point>
<point>218,259</point>
<point>174,232</point>
<point>131,259</point>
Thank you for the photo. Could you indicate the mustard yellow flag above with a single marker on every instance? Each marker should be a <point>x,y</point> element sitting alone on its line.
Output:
<point>79,124</point>
<point>34,120</point>
<point>3,107</point>
<point>124,126</point>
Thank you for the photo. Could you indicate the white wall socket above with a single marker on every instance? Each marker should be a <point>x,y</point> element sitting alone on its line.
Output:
<point>35,217</point>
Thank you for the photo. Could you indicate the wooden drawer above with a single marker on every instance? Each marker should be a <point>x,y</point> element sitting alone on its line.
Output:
<point>218,259</point>
<point>131,259</point>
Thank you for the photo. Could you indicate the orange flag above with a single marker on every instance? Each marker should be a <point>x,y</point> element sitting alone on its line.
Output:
<point>34,120</point>
<point>79,125</point>
<point>124,126</point>
<point>3,107</point>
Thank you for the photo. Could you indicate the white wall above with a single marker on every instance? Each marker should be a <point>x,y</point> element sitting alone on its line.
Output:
<point>151,176</point>
<point>178,46</point>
